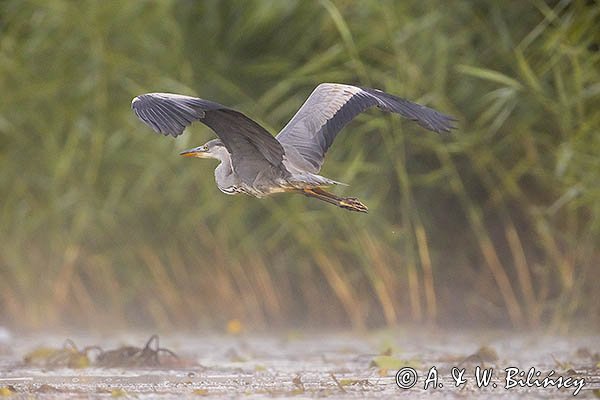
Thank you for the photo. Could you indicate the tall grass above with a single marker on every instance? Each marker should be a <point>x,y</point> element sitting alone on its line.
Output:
<point>498,223</point>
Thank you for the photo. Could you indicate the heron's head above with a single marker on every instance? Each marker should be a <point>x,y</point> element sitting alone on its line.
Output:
<point>211,149</point>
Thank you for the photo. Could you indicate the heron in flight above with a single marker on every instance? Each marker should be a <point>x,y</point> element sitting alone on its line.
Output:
<point>254,162</point>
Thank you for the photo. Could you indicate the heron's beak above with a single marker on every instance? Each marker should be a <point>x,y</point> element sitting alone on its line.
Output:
<point>195,152</point>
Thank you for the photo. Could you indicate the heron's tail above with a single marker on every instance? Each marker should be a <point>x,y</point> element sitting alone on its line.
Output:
<point>336,182</point>
<point>307,181</point>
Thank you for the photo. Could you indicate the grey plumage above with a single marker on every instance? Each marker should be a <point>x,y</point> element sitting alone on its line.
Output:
<point>259,164</point>
<point>331,106</point>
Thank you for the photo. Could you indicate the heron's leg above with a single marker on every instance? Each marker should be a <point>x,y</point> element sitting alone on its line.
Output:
<point>349,203</point>
<point>312,193</point>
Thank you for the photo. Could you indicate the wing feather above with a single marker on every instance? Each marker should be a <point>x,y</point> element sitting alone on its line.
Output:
<point>331,106</point>
<point>251,147</point>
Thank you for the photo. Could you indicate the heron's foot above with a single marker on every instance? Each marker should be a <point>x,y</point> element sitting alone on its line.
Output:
<point>353,204</point>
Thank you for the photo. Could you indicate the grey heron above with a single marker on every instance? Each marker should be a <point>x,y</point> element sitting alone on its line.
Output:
<point>254,162</point>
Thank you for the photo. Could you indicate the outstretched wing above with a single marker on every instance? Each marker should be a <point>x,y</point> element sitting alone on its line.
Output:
<point>331,106</point>
<point>246,141</point>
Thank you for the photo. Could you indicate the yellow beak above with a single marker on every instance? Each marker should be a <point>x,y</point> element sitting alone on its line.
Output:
<point>195,152</point>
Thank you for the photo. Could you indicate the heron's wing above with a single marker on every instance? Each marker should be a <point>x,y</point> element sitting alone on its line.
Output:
<point>331,106</point>
<point>246,141</point>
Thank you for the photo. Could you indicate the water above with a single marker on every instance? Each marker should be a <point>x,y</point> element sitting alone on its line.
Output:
<point>333,365</point>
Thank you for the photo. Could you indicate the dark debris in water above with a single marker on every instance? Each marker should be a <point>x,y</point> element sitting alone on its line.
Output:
<point>45,388</point>
<point>485,354</point>
<point>70,356</point>
<point>130,356</point>
<point>584,352</point>
<point>297,381</point>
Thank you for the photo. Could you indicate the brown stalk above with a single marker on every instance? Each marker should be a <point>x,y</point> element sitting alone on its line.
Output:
<point>427,271</point>
<point>342,289</point>
<point>379,279</point>
<point>523,273</point>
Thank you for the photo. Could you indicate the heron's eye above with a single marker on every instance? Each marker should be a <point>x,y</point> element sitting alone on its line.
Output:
<point>205,148</point>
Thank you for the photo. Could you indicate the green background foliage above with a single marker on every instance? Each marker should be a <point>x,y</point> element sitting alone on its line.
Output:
<point>499,223</point>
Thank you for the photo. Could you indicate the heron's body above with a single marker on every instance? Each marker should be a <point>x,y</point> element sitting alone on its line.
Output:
<point>291,177</point>
<point>254,162</point>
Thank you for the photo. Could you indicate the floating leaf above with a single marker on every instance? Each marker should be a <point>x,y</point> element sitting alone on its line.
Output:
<point>39,356</point>
<point>235,327</point>
<point>391,362</point>
<point>79,361</point>
<point>118,393</point>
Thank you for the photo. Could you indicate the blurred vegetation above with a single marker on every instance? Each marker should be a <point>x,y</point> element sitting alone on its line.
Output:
<point>102,224</point>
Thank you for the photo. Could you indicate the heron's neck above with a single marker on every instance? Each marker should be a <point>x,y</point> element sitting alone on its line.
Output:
<point>222,155</point>
<point>224,174</point>
<point>225,167</point>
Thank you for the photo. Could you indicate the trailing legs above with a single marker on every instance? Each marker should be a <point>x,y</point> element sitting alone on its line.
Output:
<point>348,203</point>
